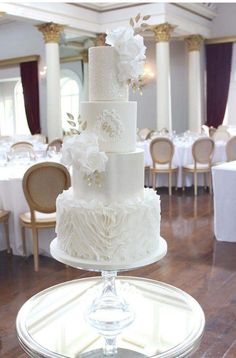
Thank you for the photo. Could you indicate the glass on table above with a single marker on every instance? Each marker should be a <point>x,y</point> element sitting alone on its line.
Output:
<point>3,158</point>
<point>52,151</point>
<point>20,158</point>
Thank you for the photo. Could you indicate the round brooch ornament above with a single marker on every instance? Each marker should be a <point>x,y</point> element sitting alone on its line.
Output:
<point>109,126</point>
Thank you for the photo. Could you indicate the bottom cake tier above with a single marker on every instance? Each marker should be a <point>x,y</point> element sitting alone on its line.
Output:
<point>119,233</point>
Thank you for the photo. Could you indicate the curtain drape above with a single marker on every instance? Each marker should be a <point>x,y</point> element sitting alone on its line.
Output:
<point>29,79</point>
<point>218,67</point>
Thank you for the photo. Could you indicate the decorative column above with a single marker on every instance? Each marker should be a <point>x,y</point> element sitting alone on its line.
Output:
<point>85,79</point>
<point>101,39</point>
<point>162,34</point>
<point>194,43</point>
<point>51,33</point>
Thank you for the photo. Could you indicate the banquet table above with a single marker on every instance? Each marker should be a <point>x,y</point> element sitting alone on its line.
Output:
<point>12,198</point>
<point>182,156</point>
<point>224,179</point>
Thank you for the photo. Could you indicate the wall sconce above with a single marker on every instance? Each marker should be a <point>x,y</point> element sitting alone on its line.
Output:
<point>148,76</point>
<point>43,72</point>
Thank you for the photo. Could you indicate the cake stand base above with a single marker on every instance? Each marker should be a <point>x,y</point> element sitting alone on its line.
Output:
<point>109,313</point>
<point>90,265</point>
<point>121,353</point>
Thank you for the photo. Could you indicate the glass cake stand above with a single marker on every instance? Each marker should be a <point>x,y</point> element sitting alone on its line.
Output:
<point>108,313</point>
<point>169,323</point>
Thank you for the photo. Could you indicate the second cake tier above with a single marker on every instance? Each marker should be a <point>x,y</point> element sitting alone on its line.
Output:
<point>122,179</point>
<point>115,124</point>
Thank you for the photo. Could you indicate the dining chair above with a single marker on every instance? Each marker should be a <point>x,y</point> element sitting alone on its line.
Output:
<point>231,149</point>
<point>202,151</point>
<point>23,147</point>
<point>42,183</point>
<point>57,143</point>
<point>162,151</point>
<point>4,219</point>
<point>144,133</point>
<point>221,135</point>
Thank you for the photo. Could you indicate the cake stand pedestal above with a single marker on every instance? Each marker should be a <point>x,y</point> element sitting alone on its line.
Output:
<point>109,313</point>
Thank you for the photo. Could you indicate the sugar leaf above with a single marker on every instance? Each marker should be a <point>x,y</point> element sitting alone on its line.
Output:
<point>137,18</point>
<point>131,21</point>
<point>146,17</point>
<point>72,123</point>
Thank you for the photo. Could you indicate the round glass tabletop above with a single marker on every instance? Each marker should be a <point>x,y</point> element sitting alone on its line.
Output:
<point>168,322</point>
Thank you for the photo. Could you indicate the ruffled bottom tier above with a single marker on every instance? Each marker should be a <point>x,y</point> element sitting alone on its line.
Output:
<point>119,233</point>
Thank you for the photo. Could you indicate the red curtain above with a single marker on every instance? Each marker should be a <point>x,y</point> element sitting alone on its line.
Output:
<point>29,79</point>
<point>218,67</point>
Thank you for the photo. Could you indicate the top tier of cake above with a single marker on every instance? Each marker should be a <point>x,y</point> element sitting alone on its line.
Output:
<point>103,81</point>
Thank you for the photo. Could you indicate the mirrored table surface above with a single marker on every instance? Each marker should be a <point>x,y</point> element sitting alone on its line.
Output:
<point>168,322</point>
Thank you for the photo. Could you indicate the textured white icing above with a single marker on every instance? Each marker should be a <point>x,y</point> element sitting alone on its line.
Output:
<point>125,114</point>
<point>103,81</point>
<point>123,179</point>
<point>119,233</point>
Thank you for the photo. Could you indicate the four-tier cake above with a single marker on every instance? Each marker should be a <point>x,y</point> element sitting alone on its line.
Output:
<point>107,217</point>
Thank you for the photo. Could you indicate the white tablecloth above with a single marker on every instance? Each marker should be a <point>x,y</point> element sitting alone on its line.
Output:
<point>12,198</point>
<point>224,188</point>
<point>182,156</point>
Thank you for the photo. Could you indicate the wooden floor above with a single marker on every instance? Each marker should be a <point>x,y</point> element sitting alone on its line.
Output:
<point>195,263</point>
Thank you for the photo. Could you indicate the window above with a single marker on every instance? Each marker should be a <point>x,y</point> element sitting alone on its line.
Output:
<point>70,97</point>
<point>12,111</point>
<point>21,125</point>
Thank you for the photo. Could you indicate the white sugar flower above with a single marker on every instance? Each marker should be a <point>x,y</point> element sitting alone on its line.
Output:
<point>95,161</point>
<point>83,151</point>
<point>131,52</point>
<point>118,36</point>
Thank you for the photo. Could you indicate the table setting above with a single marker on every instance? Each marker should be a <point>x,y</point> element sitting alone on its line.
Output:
<point>182,156</point>
<point>12,169</point>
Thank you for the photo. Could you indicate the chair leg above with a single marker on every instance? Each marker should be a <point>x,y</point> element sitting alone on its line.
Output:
<point>149,178</point>
<point>23,240</point>
<point>210,182</point>
<point>154,181</point>
<point>147,175</point>
<point>6,229</point>
<point>183,180</point>
<point>35,249</point>
<point>195,183</point>
<point>205,181</point>
<point>176,181</point>
<point>170,183</point>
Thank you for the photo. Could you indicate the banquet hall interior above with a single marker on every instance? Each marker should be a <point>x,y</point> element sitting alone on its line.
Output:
<point>186,127</point>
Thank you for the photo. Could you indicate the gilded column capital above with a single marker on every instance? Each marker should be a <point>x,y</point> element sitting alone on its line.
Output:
<point>101,39</point>
<point>51,32</point>
<point>162,32</point>
<point>194,42</point>
<point>84,54</point>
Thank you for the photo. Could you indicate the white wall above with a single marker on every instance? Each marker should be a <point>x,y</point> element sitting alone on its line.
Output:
<point>224,23</point>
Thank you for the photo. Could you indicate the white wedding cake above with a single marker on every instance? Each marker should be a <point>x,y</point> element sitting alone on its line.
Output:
<point>107,217</point>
